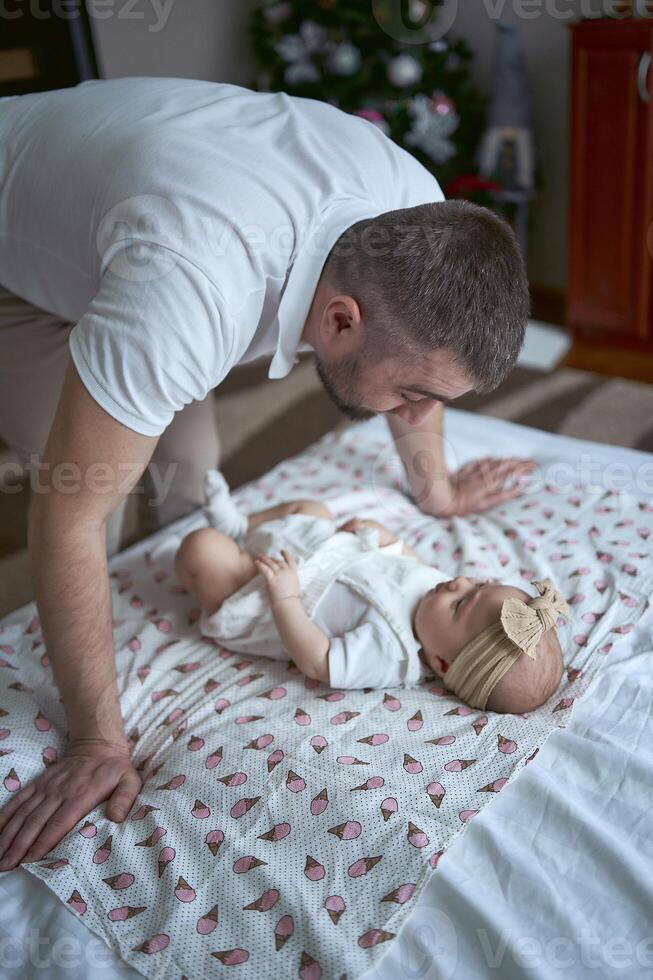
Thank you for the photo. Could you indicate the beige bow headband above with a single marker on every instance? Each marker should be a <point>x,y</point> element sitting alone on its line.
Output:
<point>483,661</point>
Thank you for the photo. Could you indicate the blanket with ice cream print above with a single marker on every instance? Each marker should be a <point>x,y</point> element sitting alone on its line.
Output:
<point>285,828</point>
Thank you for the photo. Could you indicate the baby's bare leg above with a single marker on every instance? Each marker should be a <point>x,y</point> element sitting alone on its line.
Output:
<point>212,565</point>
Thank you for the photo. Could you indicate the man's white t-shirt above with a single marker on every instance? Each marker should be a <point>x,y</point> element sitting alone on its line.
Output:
<point>183,225</point>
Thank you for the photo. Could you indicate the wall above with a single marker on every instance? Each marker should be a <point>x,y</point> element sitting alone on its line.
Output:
<point>546,45</point>
<point>179,38</point>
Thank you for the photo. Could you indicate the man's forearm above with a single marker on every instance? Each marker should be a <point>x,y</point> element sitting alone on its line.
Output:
<point>73,597</point>
<point>421,450</point>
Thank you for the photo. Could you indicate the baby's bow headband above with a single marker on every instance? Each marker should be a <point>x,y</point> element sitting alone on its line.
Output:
<point>525,623</point>
<point>483,661</point>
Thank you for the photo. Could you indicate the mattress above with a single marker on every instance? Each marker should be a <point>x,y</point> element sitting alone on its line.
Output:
<point>552,874</point>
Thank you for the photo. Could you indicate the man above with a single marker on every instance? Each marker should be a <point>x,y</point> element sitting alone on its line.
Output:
<point>156,232</point>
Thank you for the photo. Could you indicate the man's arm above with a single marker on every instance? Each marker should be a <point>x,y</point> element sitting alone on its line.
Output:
<point>473,488</point>
<point>90,464</point>
<point>67,547</point>
<point>421,451</point>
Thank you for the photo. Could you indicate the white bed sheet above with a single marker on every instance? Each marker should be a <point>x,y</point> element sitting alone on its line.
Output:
<point>554,879</point>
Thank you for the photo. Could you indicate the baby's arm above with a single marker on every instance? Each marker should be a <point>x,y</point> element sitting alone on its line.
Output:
<point>305,643</point>
<point>385,536</point>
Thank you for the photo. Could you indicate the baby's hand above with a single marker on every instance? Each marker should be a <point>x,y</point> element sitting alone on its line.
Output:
<point>353,525</point>
<point>280,575</point>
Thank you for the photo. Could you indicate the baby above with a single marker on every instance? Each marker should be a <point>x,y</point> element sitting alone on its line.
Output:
<point>355,607</point>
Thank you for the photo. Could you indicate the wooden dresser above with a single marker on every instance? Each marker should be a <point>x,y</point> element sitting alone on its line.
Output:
<point>610,290</point>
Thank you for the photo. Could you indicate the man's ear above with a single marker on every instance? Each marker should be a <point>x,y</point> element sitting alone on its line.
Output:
<point>341,328</point>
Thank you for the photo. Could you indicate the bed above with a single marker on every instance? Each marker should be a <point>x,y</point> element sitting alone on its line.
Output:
<point>540,865</point>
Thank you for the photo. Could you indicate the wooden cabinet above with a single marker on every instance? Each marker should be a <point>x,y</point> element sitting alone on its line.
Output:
<point>610,290</point>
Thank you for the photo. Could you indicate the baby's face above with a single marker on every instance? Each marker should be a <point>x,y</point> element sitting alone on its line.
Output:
<point>453,613</point>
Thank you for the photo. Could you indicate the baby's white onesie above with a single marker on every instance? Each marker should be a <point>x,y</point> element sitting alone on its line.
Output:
<point>360,595</point>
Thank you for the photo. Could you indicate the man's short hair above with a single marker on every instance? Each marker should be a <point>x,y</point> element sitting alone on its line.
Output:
<point>449,274</point>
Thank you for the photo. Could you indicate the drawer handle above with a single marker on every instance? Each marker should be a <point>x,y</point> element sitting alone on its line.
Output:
<point>642,76</point>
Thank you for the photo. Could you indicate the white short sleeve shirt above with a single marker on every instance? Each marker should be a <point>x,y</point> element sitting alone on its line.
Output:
<point>183,225</point>
<point>364,651</point>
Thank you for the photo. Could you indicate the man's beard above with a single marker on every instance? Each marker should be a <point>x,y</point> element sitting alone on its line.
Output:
<point>348,373</point>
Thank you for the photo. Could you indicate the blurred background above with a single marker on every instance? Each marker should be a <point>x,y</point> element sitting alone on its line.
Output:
<point>540,109</point>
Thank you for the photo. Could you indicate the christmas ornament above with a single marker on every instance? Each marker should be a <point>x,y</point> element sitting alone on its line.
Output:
<point>344,59</point>
<point>404,70</point>
<point>442,104</point>
<point>431,131</point>
<point>297,51</point>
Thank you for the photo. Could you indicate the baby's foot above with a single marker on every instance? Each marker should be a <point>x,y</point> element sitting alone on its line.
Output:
<point>220,510</point>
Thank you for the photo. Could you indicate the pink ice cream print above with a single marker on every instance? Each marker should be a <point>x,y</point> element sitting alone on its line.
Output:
<point>274,759</point>
<point>152,839</point>
<point>374,782</point>
<point>214,839</point>
<point>125,912</point>
<point>436,792</point>
<point>184,892</point>
<point>166,855</point>
<point>276,833</point>
<point>207,923</point>
<point>373,937</point>
<point>346,831</point>
<point>143,811</point>
<point>506,745</point>
<point>77,903</point>
<point>391,702</point>
<point>362,866</point>
<point>309,968</point>
<point>233,779</point>
<point>319,803</point>
<point>264,902</point>
<point>415,836</point>
<point>401,894</point>
<point>240,808</point>
<point>388,808</point>
<point>494,787</point>
<point>343,717</point>
<point>335,906</point>
<point>11,782</point>
<point>247,863</point>
<point>415,723</point>
<point>88,830</point>
<point>313,870</point>
<point>232,957</point>
<point>459,765</point>
<point>412,765</point>
<point>376,739</point>
<point>120,881</point>
<point>261,742</point>
<point>283,930</point>
<point>294,782</point>
<point>319,743</point>
<point>155,944</point>
<point>103,853</point>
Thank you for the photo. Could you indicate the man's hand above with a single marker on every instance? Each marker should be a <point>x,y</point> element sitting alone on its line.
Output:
<point>481,484</point>
<point>474,488</point>
<point>40,815</point>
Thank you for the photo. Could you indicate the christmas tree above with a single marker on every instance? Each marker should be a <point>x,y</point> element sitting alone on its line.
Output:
<point>385,61</point>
